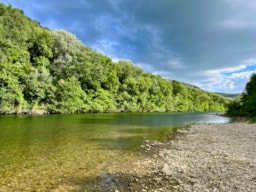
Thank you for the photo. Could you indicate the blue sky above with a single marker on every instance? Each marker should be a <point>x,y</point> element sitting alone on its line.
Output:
<point>211,44</point>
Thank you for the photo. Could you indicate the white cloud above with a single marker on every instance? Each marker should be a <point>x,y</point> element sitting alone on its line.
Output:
<point>238,24</point>
<point>175,63</point>
<point>233,69</point>
<point>232,79</point>
<point>236,81</point>
<point>105,46</point>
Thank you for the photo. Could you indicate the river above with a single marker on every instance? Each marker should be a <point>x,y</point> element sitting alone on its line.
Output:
<point>42,153</point>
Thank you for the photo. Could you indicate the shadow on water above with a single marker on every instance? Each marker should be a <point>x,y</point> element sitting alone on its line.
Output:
<point>116,143</point>
<point>130,138</point>
<point>121,182</point>
<point>152,133</point>
<point>104,182</point>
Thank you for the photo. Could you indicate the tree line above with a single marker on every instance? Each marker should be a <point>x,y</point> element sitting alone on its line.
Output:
<point>245,106</point>
<point>53,71</point>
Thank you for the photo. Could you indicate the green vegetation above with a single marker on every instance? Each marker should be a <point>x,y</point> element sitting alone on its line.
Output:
<point>230,95</point>
<point>246,105</point>
<point>52,71</point>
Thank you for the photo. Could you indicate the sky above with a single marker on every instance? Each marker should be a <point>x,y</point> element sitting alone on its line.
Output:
<point>207,43</point>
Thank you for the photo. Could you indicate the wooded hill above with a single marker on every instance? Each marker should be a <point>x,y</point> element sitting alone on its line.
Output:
<point>52,71</point>
<point>230,95</point>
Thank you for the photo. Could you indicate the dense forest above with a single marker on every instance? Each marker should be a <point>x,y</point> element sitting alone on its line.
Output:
<point>53,72</point>
<point>245,106</point>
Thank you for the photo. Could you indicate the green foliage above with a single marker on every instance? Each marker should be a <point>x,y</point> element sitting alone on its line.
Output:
<point>235,108</point>
<point>70,98</point>
<point>249,97</point>
<point>54,71</point>
<point>40,44</point>
<point>246,106</point>
<point>232,96</point>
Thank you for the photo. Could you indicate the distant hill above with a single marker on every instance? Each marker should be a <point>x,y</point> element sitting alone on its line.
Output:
<point>229,95</point>
<point>192,86</point>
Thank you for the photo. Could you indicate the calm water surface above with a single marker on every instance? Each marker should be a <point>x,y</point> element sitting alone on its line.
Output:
<point>42,153</point>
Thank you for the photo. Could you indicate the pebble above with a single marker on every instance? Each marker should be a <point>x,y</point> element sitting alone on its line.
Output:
<point>207,157</point>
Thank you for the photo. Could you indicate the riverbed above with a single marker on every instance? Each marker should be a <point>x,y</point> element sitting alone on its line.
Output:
<point>71,152</point>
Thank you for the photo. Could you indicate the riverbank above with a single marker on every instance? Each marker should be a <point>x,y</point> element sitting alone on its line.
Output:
<point>206,157</point>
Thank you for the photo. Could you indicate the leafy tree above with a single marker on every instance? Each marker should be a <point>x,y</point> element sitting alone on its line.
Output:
<point>249,97</point>
<point>103,101</point>
<point>70,98</point>
<point>11,97</point>
<point>65,50</point>
<point>38,88</point>
<point>40,45</point>
<point>246,106</point>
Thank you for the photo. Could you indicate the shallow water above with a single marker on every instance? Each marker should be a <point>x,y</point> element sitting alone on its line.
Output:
<point>42,153</point>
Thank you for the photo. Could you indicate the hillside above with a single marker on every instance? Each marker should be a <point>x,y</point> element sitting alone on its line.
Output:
<point>49,71</point>
<point>230,95</point>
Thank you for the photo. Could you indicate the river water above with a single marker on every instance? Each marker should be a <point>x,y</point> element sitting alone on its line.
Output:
<point>42,153</point>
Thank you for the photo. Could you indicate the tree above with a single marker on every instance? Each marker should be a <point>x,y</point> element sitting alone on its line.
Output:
<point>66,47</point>
<point>40,44</point>
<point>246,106</point>
<point>249,97</point>
<point>70,98</point>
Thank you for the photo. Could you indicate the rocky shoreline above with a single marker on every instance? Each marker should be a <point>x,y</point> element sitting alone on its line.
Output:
<point>206,157</point>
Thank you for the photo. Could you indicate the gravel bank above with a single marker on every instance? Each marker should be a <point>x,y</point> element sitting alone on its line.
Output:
<point>207,157</point>
<point>200,158</point>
